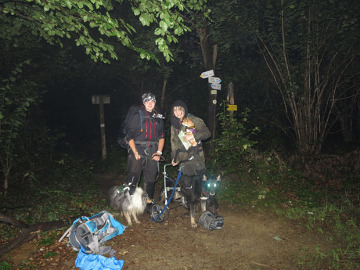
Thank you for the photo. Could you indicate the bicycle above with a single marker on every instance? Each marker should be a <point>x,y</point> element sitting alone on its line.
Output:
<point>159,211</point>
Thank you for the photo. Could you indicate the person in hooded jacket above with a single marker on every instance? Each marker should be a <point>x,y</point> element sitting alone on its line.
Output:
<point>187,132</point>
<point>145,136</point>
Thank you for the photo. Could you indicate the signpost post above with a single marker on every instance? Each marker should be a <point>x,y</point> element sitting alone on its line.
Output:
<point>101,100</point>
<point>230,99</point>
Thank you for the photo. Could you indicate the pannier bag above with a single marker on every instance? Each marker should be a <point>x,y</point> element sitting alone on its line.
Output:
<point>210,221</point>
<point>90,233</point>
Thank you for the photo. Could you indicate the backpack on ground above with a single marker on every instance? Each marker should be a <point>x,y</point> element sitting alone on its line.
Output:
<point>210,221</point>
<point>90,233</point>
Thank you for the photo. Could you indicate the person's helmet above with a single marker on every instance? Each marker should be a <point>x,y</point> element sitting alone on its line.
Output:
<point>147,97</point>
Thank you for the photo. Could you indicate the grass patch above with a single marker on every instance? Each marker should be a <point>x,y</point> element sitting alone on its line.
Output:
<point>5,266</point>
<point>261,183</point>
<point>68,192</point>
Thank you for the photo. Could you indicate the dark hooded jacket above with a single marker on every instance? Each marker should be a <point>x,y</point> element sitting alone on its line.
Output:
<point>178,150</point>
<point>144,126</point>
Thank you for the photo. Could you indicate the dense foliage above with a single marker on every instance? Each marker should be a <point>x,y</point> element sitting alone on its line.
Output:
<point>91,22</point>
<point>234,140</point>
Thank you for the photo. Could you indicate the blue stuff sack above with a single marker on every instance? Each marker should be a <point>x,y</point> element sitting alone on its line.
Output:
<point>86,261</point>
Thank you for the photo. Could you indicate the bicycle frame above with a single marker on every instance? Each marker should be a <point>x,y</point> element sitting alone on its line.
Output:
<point>166,188</point>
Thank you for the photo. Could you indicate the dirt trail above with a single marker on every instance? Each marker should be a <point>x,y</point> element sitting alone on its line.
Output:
<point>248,240</point>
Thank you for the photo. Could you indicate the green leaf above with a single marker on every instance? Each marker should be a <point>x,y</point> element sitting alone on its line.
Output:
<point>158,31</point>
<point>136,12</point>
<point>68,3</point>
<point>163,26</point>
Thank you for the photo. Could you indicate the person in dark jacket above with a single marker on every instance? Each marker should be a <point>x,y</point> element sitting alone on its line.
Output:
<point>187,132</point>
<point>145,136</point>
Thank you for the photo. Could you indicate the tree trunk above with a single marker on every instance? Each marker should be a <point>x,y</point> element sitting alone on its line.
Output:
<point>346,129</point>
<point>163,95</point>
<point>209,57</point>
<point>6,179</point>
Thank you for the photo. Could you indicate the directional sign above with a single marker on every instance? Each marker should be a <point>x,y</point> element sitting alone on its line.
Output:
<point>207,74</point>
<point>216,86</point>
<point>232,107</point>
<point>96,99</point>
<point>214,80</point>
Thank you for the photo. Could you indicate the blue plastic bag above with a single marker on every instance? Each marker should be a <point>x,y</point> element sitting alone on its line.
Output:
<point>86,261</point>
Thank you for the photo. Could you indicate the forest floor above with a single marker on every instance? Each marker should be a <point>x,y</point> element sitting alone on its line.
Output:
<point>249,239</point>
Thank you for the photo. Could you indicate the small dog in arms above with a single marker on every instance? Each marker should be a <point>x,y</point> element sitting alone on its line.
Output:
<point>128,205</point>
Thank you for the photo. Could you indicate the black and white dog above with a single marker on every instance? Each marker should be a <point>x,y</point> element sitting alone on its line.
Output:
<point>210,187</point>
<point>128,205</point>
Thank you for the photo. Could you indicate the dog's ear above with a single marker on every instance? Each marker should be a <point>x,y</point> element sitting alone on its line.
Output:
<point>204,178</point>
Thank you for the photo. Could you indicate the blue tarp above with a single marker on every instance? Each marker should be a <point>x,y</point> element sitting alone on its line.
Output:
<point>86,261</point>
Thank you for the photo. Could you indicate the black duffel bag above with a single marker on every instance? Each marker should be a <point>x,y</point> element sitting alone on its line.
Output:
<point>210,221</point>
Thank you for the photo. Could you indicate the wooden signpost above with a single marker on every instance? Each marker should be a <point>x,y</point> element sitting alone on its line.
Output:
<point>214,83</point>
<point>101,100</point>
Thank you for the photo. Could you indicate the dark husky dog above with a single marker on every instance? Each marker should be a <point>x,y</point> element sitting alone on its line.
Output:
<point>128,205</point>
<point>195,189</point>
<point>191,190</point>
<point>210,186</point>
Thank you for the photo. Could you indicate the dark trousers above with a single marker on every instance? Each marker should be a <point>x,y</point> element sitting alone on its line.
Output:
<point>145,166</point>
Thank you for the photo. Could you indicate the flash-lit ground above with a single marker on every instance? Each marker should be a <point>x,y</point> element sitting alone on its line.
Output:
<point>248,240</point>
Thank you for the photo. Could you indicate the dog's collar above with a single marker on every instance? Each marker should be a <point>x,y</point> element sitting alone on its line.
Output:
<point>203,193</point>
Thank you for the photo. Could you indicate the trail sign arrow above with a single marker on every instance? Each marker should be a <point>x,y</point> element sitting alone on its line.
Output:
<point>207,74</point>
<point>216,86</point>
<point>214,80</point>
